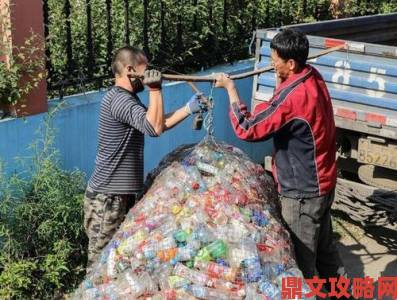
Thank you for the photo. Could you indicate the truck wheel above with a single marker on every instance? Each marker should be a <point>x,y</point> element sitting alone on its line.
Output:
<point>378,177</point>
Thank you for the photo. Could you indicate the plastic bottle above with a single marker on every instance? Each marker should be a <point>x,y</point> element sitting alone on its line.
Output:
<point>217,249</point>
<point>203,255</point>
<point>216,270</point>
<point>225,285</point>
<point>165,229</point>
<point>269,289</point>
<point>236,255</point>
<point>207,168</point>
<point>187,252</point>
<point>212,294</point>
<point>252,270</point>
<point>202,233</point>
<point>222,262</point>
<point>245,249</point>
<point>155,221</point>
<point>111,264</point>
<point>259,218</point>
<point>220,218</point>
<point>176,282</point>
<point>152,265</point>
<point>191,275</point>
<point>133,285</point>
<point>227,233</point>
<point>128,245</point>
<point>104,291</point>
<point>154,247</point>
<point>296,273</point>
<point>251,293</point>
<point>122,264</point>
<point>180,236</point>
<point>167,254</point>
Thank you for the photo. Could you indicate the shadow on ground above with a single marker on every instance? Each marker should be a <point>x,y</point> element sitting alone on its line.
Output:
<point>366,251</point>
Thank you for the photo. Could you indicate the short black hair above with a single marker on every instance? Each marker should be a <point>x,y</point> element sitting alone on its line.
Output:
<point>291,44</point>
<point>127,55</point>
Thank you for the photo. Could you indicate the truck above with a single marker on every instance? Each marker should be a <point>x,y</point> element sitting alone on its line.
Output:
<point>362,81</point>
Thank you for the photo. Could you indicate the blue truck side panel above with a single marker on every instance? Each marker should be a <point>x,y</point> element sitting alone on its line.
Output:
<point>351,76</point>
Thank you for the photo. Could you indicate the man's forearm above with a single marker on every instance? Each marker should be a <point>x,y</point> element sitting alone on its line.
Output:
<point>175,118</point>
<point>155,112</point>
<point>233,94</point>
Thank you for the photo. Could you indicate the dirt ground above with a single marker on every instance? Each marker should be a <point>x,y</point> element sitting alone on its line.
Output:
<point>366,251</point>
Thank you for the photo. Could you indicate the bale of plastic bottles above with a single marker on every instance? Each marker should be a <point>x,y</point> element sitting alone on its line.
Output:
<point>207,228</point>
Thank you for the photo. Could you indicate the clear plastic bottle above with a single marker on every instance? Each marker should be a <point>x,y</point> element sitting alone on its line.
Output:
<point>156,221</point>
<point>176,282</point>
<point>111,265</point>
<point>251,292</point>
<point>202,233</point>
<point>296,273</point>
<point>252,270</point>
<point>187,252</point>
<point>130,284</point>
<point>269,289</point>
<point>128,245</point>
<point>274,269</point>
<point>192,275</point>
<point>212,294</point>
<point>216,270</point>
<point>225,285</point>
<point>151,249</point>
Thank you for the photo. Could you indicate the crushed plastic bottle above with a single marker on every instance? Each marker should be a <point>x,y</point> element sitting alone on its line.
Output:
<point>207,227</point>
<point>212,294</point>
<point>217,270</point>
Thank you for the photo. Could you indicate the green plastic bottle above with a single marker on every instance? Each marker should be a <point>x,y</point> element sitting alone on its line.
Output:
<point>181,236</point>
<point>217,249</point>
<point>203,255</point>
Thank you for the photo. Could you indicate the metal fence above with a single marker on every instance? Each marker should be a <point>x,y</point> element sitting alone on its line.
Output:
<point>184,35</point>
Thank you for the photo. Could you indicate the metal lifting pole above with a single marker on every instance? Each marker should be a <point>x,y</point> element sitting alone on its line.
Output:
<point>210,78</point>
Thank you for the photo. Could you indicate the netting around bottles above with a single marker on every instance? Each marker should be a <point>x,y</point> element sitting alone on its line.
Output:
<point>208,227</point>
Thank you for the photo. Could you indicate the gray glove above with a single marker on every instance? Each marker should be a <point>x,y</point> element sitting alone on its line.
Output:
<point>196,104</point>
<point>152,78</point>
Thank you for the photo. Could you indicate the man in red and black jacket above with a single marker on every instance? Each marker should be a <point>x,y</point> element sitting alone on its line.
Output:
<point>299,118</point>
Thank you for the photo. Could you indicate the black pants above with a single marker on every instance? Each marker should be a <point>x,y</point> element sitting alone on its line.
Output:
<point>309,222</point>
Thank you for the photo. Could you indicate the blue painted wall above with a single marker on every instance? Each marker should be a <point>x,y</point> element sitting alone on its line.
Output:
<point>77,117</point>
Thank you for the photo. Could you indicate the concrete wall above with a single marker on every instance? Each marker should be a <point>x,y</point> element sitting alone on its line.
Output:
<point>77,118</point>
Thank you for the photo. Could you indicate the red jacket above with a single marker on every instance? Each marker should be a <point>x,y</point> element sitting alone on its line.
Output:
<point>300,119</point>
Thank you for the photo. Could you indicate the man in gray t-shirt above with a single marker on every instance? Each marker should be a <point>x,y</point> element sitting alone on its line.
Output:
<point>123,122</point>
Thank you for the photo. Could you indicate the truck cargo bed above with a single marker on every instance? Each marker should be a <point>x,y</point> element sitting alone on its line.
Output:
<point>362,80</point>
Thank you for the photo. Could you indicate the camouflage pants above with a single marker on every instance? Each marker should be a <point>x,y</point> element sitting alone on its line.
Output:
<point>103,214</point>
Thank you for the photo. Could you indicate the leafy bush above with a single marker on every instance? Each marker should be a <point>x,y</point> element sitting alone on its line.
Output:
<point>23,62</point>
<point>26,62</point>
<point>42,240</point>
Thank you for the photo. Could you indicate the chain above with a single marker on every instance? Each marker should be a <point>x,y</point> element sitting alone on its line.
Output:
<point>209,118</point>
<point>208,122</point>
